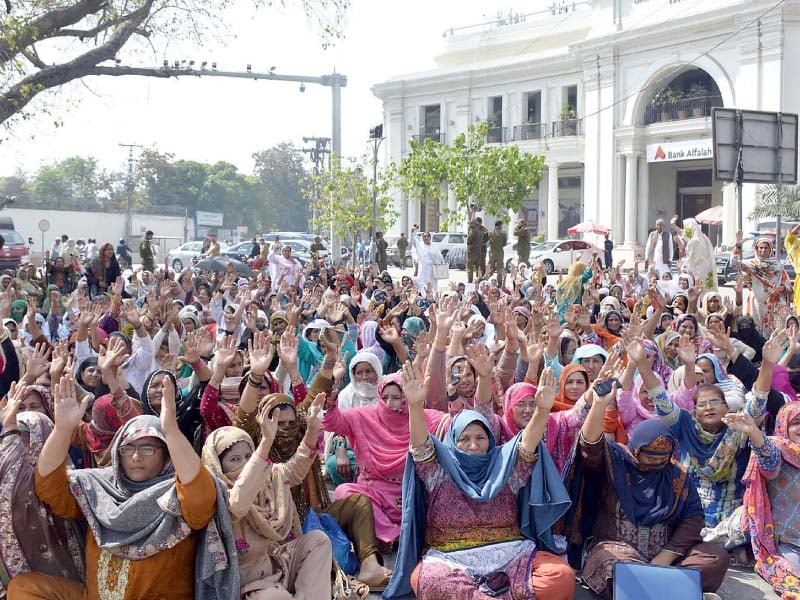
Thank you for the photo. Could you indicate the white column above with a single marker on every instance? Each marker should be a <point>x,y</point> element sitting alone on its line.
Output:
<point>644,198</point>
<point>451,208</point>
<point>405,225</point>
<point>631,191</point>
<point>618,216</point>
<point>552,201</point>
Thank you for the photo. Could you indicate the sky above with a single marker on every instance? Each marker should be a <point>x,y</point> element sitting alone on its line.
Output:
<point>212,119</point>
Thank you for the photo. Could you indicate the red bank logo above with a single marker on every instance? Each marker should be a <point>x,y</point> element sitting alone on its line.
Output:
<point>660,154</point>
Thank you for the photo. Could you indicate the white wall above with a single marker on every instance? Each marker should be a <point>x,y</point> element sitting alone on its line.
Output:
<point>106,227</point>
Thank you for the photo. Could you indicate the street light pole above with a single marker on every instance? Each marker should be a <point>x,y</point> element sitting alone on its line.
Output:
<point>375,138</point>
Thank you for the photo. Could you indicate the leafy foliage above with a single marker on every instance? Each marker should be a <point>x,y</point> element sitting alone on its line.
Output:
<point>274,198</point>
<point>778,201</point>
<point>345,199</point>
<point>491,178</point>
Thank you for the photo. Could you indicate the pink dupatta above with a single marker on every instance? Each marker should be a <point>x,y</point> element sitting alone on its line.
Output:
<point>770,565</point>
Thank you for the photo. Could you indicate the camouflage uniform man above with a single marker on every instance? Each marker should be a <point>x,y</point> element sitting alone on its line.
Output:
<point>474,251</point>
<point>523,242</point>
<point>402,248</point>
<point>484,244</point>
<point>380,255</point>
<point>497,240</point>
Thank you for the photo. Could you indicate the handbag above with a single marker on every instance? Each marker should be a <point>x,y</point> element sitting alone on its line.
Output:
<point>441,271</point>
<point>342,548</point>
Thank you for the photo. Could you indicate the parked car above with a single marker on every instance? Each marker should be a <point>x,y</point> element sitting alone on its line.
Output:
<point>558,255</point>
<point>444,241</point>
<point>457,258</point>
<point>15,250</point>
<point>510,255</point>
<point>727,272</point>
<point>240,251</point>
<point>393,254</point>
<point>181,257</point>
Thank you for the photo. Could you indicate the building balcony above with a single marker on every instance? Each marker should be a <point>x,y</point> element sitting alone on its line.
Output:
<point>681,110</point>
<point>530,131</point>
<point>429,135</point>
<point>567,128</point>
<point>497,135</point>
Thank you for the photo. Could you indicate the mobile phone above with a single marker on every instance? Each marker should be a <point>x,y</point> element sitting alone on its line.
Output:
<point>604,387</point>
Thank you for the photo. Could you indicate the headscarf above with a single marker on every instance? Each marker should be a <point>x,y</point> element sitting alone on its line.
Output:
<point>747,333</point>
<point>369,341</point>
<point>272,513</point>
<point>47,397</point>
<point>621,321</point>
<point>541,501</point>
<point>361,394</point>
<point>18,310</point>
<point>187,404</point>
<point>476,318</point>
<point>513,396</point>
<point>135,520</point>
<point>101,389</point>
<point>702,344</point>
<point>562,403</point>
<point>731,387</point>
<point>664,340</point>
<point>660,368</point>
<point>413,326</point>
<point>758,517</point>
<point>570,289</point>
<point>104,424</point>
<point>28,527</point>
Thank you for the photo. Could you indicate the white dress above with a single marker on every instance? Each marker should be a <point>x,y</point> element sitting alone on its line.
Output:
<point>427,256</point>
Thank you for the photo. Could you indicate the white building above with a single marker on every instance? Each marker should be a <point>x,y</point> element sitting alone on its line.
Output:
<point>641,77</point>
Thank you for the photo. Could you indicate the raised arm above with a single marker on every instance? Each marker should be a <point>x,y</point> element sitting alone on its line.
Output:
<point>68,415</point>
<point>260,353</point>
<point>536,427</point>
<point>186,462</point>
<point>415,389</point>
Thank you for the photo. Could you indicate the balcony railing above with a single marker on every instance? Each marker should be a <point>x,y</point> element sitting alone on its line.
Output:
<point>530,131</point>
<point>497,135</point>
<point>567,128</point>
<point>429,135</point>
<point>680,110</point>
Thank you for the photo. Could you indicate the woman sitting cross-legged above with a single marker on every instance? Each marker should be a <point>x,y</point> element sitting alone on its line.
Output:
<point>483,511</point>
<point>157,522</point>
<point>635,504</point>
<point>276,560</point>
<point>770,502</point>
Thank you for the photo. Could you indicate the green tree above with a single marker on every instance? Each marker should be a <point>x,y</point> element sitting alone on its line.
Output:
<point>285,187</point>
<point>345,200</point>
<point>13,185</point>
<point>46,43</point>
<point>422,174</point>
<point>75,183</point>
<point>779,200</point>
<point>492,178</point>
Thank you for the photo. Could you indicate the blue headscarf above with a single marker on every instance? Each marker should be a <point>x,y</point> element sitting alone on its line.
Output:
<point>649,496</point>
<point>540,503</point>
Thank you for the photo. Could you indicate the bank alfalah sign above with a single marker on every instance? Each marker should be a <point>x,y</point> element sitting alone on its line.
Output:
<point>688,150</point>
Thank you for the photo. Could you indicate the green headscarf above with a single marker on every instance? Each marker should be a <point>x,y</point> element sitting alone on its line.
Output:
<point>18,310</point>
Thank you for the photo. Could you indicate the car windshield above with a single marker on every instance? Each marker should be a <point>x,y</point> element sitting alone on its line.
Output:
<point>546,246</point>
<point>12,237</point>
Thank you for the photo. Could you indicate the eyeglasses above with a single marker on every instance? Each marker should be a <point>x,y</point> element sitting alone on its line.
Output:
<point>526,406</point>
<point>709,404</point>
<point>143,450</point>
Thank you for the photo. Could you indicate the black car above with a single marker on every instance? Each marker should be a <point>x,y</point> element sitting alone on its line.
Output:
<point>727,272</point>
<point>240,251</point>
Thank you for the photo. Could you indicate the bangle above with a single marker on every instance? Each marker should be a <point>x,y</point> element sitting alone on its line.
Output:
<point>197,365</point>
<point>254,380</point>
<point>9,433</point>
<point>328,364</point>
<point>266,460</point>
<point>312,450</point>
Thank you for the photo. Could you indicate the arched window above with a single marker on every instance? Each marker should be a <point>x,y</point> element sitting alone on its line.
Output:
<point>690,95</point>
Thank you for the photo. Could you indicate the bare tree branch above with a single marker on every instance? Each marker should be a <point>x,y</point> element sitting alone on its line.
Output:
<point>46,26</point>
<point>17,97</point>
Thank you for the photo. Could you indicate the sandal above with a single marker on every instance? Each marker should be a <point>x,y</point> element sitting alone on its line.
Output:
<point>380,587</point>
<point>360,589</point>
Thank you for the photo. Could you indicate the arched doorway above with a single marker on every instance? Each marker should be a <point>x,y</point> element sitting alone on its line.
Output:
<point>689,95</point>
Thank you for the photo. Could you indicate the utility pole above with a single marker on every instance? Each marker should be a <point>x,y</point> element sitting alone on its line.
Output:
<point>375,139</point>
<point>317,154</point>
<point>129,186</point>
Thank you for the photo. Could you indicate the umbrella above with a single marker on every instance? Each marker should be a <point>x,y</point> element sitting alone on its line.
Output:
<point>588,227</point>
<point>710,216</point>
<point>220,265</point>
